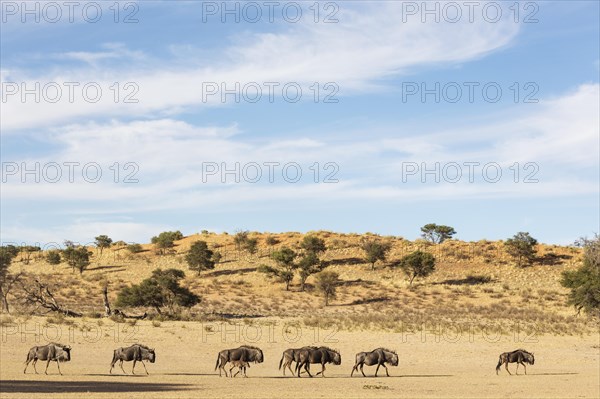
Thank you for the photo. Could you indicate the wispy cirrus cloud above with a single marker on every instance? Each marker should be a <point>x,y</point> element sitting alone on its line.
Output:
<point>366,47</point>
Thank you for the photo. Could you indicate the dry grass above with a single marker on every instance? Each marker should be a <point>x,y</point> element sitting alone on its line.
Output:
<point>475,283</point>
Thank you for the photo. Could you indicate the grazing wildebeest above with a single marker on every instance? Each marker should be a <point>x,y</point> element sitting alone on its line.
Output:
<point>520,356</point>
<point>241,365</point>
<point>51,352</point>
<point>135,352</point>
<point>322,355</point>
<point>378,357</point>
<point>245,353</point>
<point>291,355</point>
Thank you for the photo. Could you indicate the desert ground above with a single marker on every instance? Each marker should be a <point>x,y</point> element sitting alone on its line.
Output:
<point>449,365</point>
<point>448,329</point>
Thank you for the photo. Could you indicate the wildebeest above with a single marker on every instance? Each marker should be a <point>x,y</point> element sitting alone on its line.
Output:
<point>241,365</point>
<point>520,356</point>
<point>135,352</point>
<point>378,357</point>
<point>245,353</point>
<point>291,355</point>
<point>322,355</point>
<point>51,352</point>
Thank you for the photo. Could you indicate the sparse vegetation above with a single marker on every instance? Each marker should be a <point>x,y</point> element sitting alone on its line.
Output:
<point>285,261</point>
<point>78,258</point>
<point>200,258</point>
<point>134,248</point>
<point>584,282</point>
<point>103,241</point>
<point>375,251</point>
<point>417,264</point>
<point>522,247</point>
<point>53,257</point>
<point>327,282</point>
<point>166,240</point>
<point>161,290</point>
<point>437,234</point>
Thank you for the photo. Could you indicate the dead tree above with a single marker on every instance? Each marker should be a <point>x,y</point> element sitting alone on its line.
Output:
<point>109,312</point>
<point>6,285</point>
<point>39,294</point>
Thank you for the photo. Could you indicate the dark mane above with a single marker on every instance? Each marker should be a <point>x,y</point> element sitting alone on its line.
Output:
<point>251,347</point>
<point>329,349</point>
<point>387,350</point>
<point>524,351</point>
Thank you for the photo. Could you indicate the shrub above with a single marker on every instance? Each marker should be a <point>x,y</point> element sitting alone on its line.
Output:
<point>53,257</point>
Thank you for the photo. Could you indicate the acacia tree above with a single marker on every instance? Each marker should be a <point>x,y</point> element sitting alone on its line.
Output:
<point>103,241</point>
<point>285,262</point>
<point>375,251</point>
<point>314,244</point>
<point>522,247</point>
<point>308,265</point>
<point>310,262</point>
<point>437,234</point>
<point>161,290</point>
<point>327,282</point>
<point>200,258</point>
<point>78,258</point>
<point>166,240</point>
<point>417,264</point>
<point>584,282</point>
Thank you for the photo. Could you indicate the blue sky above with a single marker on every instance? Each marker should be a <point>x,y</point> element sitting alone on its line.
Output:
<point>371,145</point>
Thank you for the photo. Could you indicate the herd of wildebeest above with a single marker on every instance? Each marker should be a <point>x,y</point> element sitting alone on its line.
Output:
<point>241,358</point>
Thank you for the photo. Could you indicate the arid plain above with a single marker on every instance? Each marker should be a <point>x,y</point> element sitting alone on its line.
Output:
<point>448,329</point>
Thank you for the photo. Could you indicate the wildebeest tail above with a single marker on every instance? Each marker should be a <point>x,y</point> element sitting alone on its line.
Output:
<point>218,360</point>
<point>114,360</point>
<point>499,364</point>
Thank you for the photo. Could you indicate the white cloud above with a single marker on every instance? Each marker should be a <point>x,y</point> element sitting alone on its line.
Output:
<point>561,136</point>
<point>368,45</point>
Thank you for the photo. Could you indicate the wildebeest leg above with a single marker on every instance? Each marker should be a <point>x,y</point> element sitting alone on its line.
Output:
<point>47,364</point>
<point>322,372</point>
<point>362,366</point>
<point>34,362</point>
<point>307,369</point>
<point>133,368</point>
<point>353,368</point>
<point>121,364</point>
<point>506,367</point>
<point>290,367</point>
<point>517,372</point>
<point>58,365</point>
<point>26,365</point>
<point>377,369</point>
<point>143,364</point>
<point>386,369</point>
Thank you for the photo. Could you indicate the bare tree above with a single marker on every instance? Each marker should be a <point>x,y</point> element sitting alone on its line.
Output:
<point>39,294</point>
